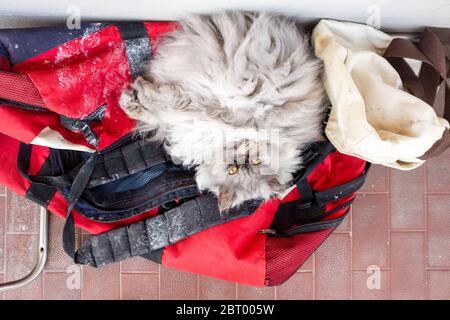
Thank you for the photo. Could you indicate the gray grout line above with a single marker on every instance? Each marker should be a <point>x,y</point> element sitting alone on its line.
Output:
<point>159,282</point>
<point>4,237</point>
<point>389,229</point>
<point>81,283</point>
<point>408,231</point>
<point>437,193</point>
<point>198,287</point>
<point>365,270</point>
<point>139,272</point>
<point>425,245</point>
<point>275,293</point>
<point>22,233</point>
<point>120,281</point>
<point>314,276</point>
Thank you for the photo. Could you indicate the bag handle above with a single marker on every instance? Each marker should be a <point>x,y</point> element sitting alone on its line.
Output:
<point>433,78</point>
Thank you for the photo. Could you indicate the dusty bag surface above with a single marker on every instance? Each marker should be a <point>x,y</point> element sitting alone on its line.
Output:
<point>373,116</point>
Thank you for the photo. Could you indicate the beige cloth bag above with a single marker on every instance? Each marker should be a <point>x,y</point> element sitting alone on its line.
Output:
<point>372,116</point>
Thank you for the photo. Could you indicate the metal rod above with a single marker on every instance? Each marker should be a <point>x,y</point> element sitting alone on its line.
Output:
<point>42,257</point>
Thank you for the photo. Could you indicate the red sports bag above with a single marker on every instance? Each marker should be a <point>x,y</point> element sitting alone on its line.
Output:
<point>66,145</point>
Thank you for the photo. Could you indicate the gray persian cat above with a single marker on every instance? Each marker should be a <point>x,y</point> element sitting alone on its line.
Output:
<point>236,95</point>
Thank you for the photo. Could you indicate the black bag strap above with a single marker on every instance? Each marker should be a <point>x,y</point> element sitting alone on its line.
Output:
<point>311,206</point>
<point>310,227</point>
<point>79,184</point>
<point>145,237</point>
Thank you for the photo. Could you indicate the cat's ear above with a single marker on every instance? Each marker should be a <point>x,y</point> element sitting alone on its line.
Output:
<point>226,198</point>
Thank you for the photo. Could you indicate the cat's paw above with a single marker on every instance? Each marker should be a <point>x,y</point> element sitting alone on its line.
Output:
<point>130,104</point>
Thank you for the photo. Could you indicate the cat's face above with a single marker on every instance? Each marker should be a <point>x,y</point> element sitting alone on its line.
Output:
<point>245,170</point>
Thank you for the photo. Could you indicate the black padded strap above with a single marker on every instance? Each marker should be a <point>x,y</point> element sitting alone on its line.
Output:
<point>311,227</point>
<point>39,193</point>
<point>127,160</point>
<point>109,166</point>
<point>343,190</point>
<point>311,205</point>
<point>155,233</point>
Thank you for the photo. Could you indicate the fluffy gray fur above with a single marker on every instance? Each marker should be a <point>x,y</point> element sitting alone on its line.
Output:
<point>215,84</point>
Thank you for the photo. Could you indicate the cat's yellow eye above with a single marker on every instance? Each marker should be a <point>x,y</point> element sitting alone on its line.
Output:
<point>233,170</point>
<point>256,162</point>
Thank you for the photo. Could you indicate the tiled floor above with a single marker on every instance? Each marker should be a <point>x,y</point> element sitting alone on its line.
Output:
<point>400,226</point>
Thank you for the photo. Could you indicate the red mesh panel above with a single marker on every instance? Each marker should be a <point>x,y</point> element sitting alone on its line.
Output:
<point>19,88</point>
<point>284,256</point>
<point>4,64</point>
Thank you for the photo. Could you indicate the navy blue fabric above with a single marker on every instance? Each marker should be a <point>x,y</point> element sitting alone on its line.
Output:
<point>23,44</point>
<point>3,51</point>
<point>108,215</point>
<point>131,182</point>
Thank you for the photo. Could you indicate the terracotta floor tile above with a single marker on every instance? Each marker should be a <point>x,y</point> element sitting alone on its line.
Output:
<point>58,286</point>
<point>253,293</point>
<point>140,286</point>
<point>21,254</point>
<point>22,215</point>
<point>212,289</point>
<point>139,264</point>
<point>299,287</point>
<point>177,285</point>
<point>346,224</point>
<point>370,231</point>
<point>439,284</point>
<point>408,274</point>
<point>438,173</point>
<point>102,283</point>
<point>407,199</point>
<point>377,180</point>
<point>2,280</point>
<point>21,257</point>
<point>438,231</point>
<point>370,286</point>
<point>308,265</point>
<point>33,291</point>
<point>332,268</point>
<point>57,259</point>
<point>2,233</point>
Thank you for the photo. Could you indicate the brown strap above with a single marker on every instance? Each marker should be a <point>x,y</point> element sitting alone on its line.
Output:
<point>433,75</point>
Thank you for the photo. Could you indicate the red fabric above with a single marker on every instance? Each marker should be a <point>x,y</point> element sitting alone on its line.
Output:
<point>77,77</point>
<point>14,124</point>
<point>19,88</point>
<point>4,64</point>
<point>286,255</point>
<point>9,175</point>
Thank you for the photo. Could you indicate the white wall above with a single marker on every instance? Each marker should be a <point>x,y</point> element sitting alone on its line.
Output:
<point>398,15</point>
